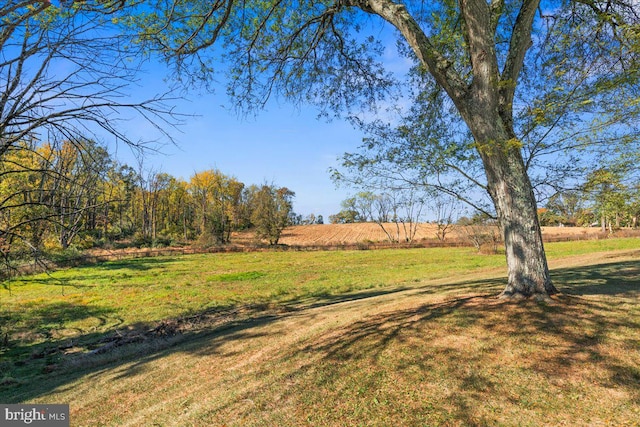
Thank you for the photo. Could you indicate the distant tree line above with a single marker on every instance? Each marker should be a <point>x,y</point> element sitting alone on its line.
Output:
<point>74,194</point>
<point>609,198</point>
<point>311,219</point>
<point>397,212</point>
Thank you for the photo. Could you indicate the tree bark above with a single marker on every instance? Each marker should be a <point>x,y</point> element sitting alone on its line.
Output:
<point>512,194</point>
<point>475,52</point>
<point>485,103</point>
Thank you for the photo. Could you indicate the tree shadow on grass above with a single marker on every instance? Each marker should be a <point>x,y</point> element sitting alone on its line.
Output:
<point>616,278</point>
<point>143,343</point>
<point>583,340</point>
<point>36,338</point>
<point>43,318</point>
<point>451,338</point>
<point>137,264</point>
<point>478,347</point>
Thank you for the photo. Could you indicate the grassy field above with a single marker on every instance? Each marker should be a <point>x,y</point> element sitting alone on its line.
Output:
<point>389,337</point>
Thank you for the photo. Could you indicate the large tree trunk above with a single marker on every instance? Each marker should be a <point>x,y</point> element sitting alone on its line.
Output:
<point>512,194</point>
<point>485,103</point>
<point>487,108</point>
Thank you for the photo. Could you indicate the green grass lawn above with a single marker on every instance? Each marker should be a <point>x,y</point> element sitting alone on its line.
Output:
<point>145,290</point>
<point>510,351</point>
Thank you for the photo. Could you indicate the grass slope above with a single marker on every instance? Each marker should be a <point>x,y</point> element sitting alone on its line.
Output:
<point>354,338</point>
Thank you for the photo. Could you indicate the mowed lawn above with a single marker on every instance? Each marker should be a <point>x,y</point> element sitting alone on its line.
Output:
<point>388,337</point>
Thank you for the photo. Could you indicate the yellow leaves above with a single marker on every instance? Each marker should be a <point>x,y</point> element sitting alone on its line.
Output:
<point>514,143</point>
<point>538,115</point>
<point>632,36</point>
<point>212,186</point>
<point>208,181</point>
<point>560,72</point>
<point>483,147</point>
<point>493,147</point>
<point>633,102</point>
<point>507,84</point>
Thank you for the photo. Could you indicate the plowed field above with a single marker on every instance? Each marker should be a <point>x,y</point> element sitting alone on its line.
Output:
<point>349,234</point>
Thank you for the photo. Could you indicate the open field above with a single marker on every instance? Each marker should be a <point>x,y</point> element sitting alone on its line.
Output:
<point>349,234</point>
<point>389,337</point>
<point>358,236</point>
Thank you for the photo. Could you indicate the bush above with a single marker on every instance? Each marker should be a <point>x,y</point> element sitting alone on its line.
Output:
<point>485,238</point>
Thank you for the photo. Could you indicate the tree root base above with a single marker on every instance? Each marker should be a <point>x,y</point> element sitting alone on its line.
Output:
<point>517,296</point>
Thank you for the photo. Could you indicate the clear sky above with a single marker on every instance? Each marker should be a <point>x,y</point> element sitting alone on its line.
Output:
<point>285,145</point>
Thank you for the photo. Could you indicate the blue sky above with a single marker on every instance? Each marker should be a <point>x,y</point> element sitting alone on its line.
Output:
<point>285,145</point>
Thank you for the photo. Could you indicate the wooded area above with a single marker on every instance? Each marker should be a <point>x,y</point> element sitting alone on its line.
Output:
<point>57,196</point>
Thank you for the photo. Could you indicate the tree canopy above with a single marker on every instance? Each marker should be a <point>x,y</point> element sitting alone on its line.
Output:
<point>498,89</point>
<point>68,74</point>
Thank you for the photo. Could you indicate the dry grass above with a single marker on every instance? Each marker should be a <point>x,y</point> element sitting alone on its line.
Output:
<point>349,234</point>
<point>444,353</point>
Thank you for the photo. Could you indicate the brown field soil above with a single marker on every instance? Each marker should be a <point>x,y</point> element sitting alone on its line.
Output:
<point>350,234</point>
